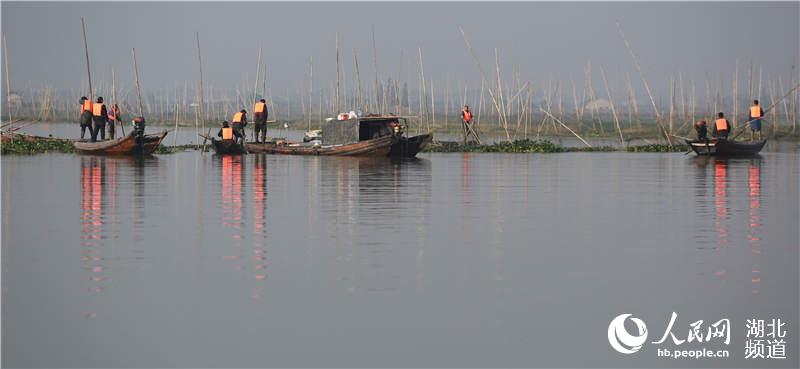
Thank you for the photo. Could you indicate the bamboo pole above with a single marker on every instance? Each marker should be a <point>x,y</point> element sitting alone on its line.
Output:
<point>375,65</point>
<point>565,126</point>
<point>613,108</point>
<point>736,95</point>
<point>202,99</point>
<point>8,80</point>
<point>338,77</point>
<point>358,80</point>
<point>88,66</point>
<point>480,69</point>
<point>258,72</point>
<point>646,85</point>
<point>138,85</point>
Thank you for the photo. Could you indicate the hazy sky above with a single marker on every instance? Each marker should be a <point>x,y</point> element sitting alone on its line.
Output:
<point>544,40</point>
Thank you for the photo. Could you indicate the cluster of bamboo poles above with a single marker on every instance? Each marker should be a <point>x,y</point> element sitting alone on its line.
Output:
<point>510,106</point>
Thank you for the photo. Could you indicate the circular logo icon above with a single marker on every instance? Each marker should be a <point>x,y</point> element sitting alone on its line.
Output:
<point>621,340</point>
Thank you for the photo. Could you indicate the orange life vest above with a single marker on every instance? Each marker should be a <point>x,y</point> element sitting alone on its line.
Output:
<point>259,108</point>
<point>755,112</point>
<point>227,133</point>
<point>467,116</point>
<point>237,118</point>
<point>87,106</point>
<point>97,109</point>
<point>721,124</point>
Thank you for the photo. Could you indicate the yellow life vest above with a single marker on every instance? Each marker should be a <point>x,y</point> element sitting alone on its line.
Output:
<point>227,133</point>
<point>259,108</point>
<point>87,106</point>
<point>237,118</point>
<point>97,109</point>
<point>755,112</point>
<point>721,124</point>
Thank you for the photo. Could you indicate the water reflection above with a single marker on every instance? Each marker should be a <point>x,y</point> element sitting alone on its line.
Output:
<point>231,182</point>
<point>754,223</point>
<point>259,219</point>
<point>93,199</point>
<point>735,181</point>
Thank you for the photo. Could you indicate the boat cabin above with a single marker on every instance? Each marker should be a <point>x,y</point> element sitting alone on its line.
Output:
<point>341,132</point>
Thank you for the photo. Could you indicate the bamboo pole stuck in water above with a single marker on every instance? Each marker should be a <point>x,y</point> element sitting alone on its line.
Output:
<point>646,85</point>
<point>202,99</point>
<point>138,86</point>
<point>338,77</point>
<point>8,80</point>
<point>258,72</point>
<point>565,126</point>
<point>482,73</point>
<point>613,108</point>
<point>88,66</point>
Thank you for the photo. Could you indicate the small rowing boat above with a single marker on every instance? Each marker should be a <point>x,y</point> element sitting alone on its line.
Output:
<point>222,147</point>
<point>725,147</point>
<point>126,145</point>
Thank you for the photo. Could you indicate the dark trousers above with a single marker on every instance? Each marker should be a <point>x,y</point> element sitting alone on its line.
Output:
<point>238,132</point>
<point>721,134</point>
<point>111,129</point>
<point>260,128</point>
<point>99,127</point>
<point>86,122</point>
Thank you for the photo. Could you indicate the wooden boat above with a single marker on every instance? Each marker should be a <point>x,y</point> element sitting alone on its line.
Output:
<point>126,145</point>
<point>374,147</point>
<point>725,147</point>
<point>222,147</point>
<point>408,147</point>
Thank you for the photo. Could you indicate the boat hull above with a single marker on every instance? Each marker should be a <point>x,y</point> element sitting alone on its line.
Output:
<point>722,147</point>
<point>408,147</point>
<point>121,146</point>
<point>222,147</point>
<point>375,147</point>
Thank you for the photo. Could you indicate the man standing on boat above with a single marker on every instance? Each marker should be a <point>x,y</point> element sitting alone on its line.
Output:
<point>755,119</point>
<point>86,116</point>
<point>721,126</point>
<point>113,118</point>
<point>260,115</point>
<point>100,117</point>
<point>239,122</point>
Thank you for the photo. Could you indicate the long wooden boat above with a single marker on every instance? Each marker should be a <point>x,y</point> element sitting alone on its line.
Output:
<point>374,147</point>
<point>408,147</point>
<point>125,145</point>
<point>222,147</point>
<point>725,147</point>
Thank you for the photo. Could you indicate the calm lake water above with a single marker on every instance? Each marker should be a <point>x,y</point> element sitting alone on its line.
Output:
<point>452,260</point>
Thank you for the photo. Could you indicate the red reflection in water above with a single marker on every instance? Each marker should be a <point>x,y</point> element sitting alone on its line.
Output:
<point>721,201</point>
<point>259,220</point>
<point>231,192</point>
<point>96,175</point>
<point>754,220</point>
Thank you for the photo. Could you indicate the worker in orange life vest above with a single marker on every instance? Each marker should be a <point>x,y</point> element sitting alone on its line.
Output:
<point>86,116</point>
<point>721,127</point>
<point>99,118</point>
<point>226,132</point>
<point>756,113</point>
<point>239,122</point>
<point>466,122</point>
<point>260,115</point>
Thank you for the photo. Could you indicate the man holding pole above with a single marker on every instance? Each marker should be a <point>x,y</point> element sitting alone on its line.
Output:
<point>466,122</point>
<point>99,117</point>
<point>756,113</point>
<point>86,116</point>
<point>239,121</point>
